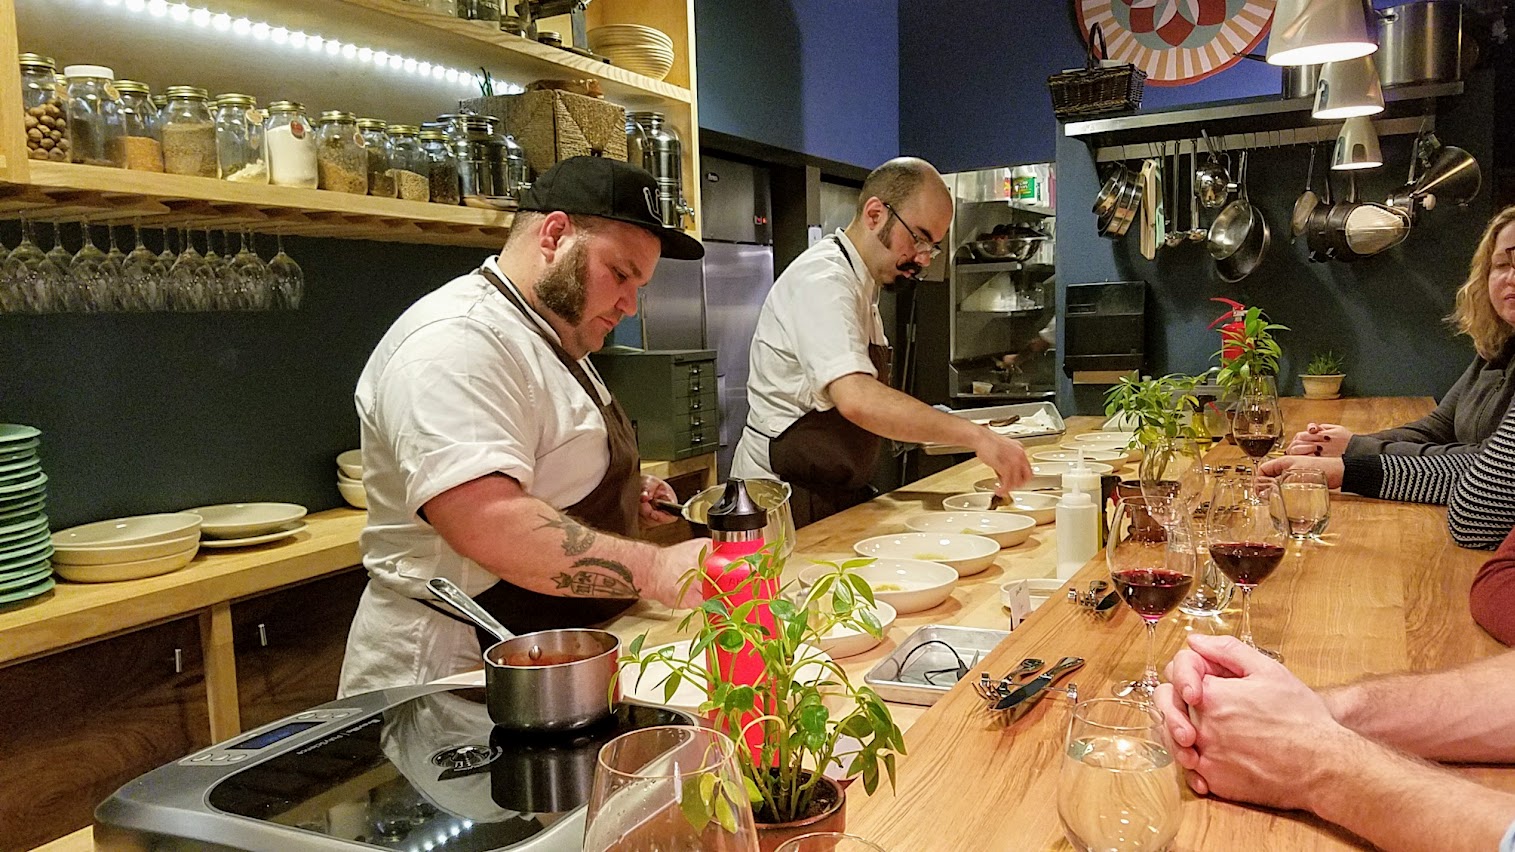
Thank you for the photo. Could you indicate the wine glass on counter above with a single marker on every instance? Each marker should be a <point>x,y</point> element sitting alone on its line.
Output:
<point>1258,425</point>
<point>1152,566</point>
<point>1307,502</point>
<point>1118,787</point>
<point>1212,590</point>
<point>1172,469</point>
<point>1246,539</point>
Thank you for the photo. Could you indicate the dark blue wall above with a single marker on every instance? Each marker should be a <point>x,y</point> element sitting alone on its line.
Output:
<point>811,76</point>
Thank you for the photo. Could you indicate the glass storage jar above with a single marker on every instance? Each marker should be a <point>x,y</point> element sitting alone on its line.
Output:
<point>448,6</point>
<point>291,144</point>
<point>411,168</point>
<point>442,176</point>
<point>240,151</point>
<point>340,158</point>
<point>141,149</point>
<point>93,113</point>
<point>381,181</point>
<point>45,124</point>
<point>480,10</point>
<point>482,156</point>
<point>189,133</point>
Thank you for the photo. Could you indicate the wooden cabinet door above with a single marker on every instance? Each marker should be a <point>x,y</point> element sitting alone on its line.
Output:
<point>289,646</point>
<point>78,724</point>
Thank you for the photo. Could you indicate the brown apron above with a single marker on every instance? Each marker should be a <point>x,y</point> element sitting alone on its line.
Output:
<point>827,459</point>
<point>613,506</point>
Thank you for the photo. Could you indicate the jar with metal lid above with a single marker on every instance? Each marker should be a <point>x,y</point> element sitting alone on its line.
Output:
<point>480,10</point>
<point>411,168</point>
<point>189,133</point>
<point>93,112</point>
<point>240,152</point>
<point>482,156</point>
<point>141,149</point>
<point>46,125</point>
<point>291,144</point>
<point>442,173</point>
<point>340,159</point>
<point>380,154</point>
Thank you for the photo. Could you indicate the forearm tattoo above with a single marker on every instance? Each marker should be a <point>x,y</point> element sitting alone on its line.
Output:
<point>577,538</point>
<point>613,580</point>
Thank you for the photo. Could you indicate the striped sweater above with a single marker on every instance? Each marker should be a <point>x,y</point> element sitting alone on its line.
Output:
<point>1478,488</point>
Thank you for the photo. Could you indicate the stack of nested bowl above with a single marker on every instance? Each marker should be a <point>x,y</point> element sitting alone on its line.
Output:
<point>126,548</point>
<point>25,571</point>
<point>350,478</point>
<point>634,47</point>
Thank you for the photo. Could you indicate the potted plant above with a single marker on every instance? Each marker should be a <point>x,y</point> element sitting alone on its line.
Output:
<point>1164,414</point>
<point>800,736</point>
<point>1248,348</point>
<point>1323,375</point>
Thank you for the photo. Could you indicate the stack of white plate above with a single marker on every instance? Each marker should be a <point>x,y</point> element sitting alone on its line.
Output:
<point>126,548</point>
<point>350,478</point>
<point>244,524</point>
<point>25,548</point>
<point>634,47</point>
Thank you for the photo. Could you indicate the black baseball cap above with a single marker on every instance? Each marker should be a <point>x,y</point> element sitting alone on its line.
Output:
<point>609,189</point>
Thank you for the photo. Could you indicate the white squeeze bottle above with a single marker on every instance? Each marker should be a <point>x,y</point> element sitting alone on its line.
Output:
<point>1077,519</point>
<point>1081,477</point>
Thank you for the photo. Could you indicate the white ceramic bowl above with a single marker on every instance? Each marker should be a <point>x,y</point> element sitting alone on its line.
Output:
<point>351,464</point>
<point>1091,454</point>
<point>908,585</point>
<point>116,572</point>
<point>239,520</point>
<point>138,529</point>
<point>353,493</point>
<point>115,554</point>
<point>965,554</point>
<point>1106,436</point>
<point>846,641</point>
<point>342,477</point>
<point>1041,508</point>
<point>1005,528</point>
<point>1128,454</point>
<point>1045,475</point>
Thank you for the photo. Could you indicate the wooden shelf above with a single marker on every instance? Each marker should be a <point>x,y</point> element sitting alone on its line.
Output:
<point>62,191</point>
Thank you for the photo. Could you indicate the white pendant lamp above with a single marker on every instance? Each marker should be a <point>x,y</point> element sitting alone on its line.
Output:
<point>1310,32</point>
<point>1357,146</point>
<point>1348,89</point>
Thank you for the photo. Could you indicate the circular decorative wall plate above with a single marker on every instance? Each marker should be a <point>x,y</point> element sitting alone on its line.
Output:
<point>1178,41</point>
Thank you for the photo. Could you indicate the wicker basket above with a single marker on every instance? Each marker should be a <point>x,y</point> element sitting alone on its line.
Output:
<point>553,125</point>
<point>1095,89</point>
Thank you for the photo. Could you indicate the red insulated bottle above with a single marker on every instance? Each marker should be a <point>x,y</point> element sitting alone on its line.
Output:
<point>736,525</point>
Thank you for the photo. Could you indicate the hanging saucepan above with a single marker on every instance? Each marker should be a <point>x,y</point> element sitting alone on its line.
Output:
<point>1420,42</point>
<point>1234,222</point>
<point>550,680</point>
<point>1246,259</point>
<point>1306,203</point>
<point>1109,194</point>
<point>1336,225</point>
<point>1317,236</point>
<point>1126,209</point>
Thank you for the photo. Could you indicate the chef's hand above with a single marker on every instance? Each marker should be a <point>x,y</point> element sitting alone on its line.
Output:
<point>667,579</point>
<point>1331,467</point>
<point>1320,439</point>
<point>1007,458</point>
<point>656,489</point>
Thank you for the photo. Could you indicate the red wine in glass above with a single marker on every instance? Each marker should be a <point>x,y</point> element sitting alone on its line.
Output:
<point>1246,563</point>
<point>1256,446</point>
<point>1152,592</point>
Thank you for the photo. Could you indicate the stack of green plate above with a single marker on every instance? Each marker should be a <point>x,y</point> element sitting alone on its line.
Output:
<point>25,542</point>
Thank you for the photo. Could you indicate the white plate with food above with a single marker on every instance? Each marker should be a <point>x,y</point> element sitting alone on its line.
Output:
<point>908,585</point>
<point>966,554</point>
<point>1037,506</point>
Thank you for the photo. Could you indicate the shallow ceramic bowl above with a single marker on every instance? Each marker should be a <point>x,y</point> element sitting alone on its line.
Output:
<point>353,493</point>
<point>1006,529</point>
<point>908,585</point>
<point>351,464</point>
<point>115,554</point>
<point>138,529</point>
<point>342,477</point>
<point>119,571</point>
<point>965,554</point>
<point>1045,476</point>
<point>1091,454</point>
<point>1105,436</point>
<point>847,641</point>
<point>1041,508</point>
<point>1127,454</point>
<point>238,520</point>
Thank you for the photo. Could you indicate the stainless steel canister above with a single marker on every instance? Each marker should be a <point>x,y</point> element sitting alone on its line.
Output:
<point>654,145</point>
<point>1420,43</point>
<point>477,157</point>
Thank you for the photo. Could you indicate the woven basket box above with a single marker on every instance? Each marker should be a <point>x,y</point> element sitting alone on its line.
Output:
<point>553,125</point>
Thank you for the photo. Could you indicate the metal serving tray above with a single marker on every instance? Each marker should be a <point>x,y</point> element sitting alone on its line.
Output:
<point>909,686</point>
<point>1024,409</point>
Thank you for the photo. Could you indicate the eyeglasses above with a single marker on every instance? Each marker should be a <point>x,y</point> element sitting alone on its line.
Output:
<point>922,246</point>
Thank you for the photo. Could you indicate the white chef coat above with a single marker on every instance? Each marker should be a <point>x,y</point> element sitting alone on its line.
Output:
<point>458,388</point>
<point>814,328</point>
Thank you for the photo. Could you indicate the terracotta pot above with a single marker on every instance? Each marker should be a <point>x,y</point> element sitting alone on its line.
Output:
<point>1143,526</point>
<point>1323,387</point>
<point>832,817</point>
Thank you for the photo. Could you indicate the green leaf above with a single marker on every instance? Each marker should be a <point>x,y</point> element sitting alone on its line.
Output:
<point>730,640</point>
<point>695,807</point>
<point>813,719</point>
<point>671,685</point>
<point>854,564</point>
<point>715,606</point>
<point>783,610</point>
<point>707,786</point>
<point>862,588</point>
<point>856,725</point>
<point>725,815</point>
<point>754,795</point>
<point>635,648</point>
<point>889,767</point>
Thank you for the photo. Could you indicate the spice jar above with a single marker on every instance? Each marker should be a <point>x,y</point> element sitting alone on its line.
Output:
<point>376,145</point>
<point>239,139</point>
<point>141,149</point>
<point>411,168</point>
<point>442,176</point>
<point>189,133</point>
<point>291,143</point>
<point>46,125</point>
<point>93,112</point>
<point>340,159</point>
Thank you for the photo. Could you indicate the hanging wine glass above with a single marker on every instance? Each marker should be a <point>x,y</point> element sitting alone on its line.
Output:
<point>288,278</point>
<point>68,297</point>
<point>29,281</point>
<point>167,256</point>
<point>254,282</point>
<point>221,296</point>
<point>91,273</point>
<point>115,260</point>
<point>143,276</point>
<point>191,279</point>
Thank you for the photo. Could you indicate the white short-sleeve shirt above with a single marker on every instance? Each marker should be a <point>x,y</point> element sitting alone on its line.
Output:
<point>814,328</point>
<point>461,386</point>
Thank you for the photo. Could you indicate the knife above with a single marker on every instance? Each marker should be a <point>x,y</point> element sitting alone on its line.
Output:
<point>1108,603</point>
<point>1030,690</point>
